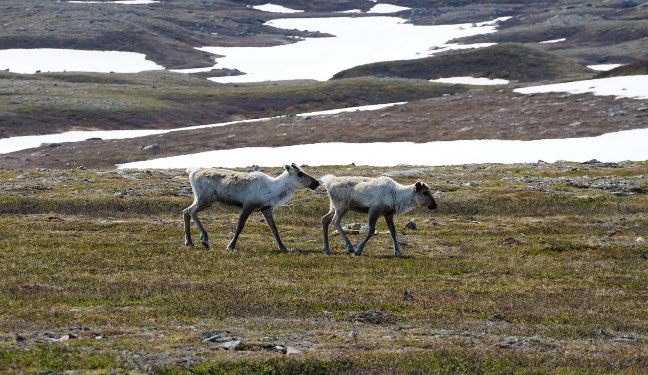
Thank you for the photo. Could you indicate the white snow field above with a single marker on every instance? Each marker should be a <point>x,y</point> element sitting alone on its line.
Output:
<point>356,41</point>
<point>29,61</point>
<point>618,146</point>
<point>625,86</point>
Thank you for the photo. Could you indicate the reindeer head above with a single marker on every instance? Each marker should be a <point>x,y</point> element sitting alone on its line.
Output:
<point>423,195</point>
<point>302,178</point>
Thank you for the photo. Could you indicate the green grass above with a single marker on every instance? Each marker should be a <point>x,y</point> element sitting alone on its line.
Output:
<point>505,276</point>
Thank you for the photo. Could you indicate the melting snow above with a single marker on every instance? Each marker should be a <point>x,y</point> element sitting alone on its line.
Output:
<point>275,8</point>
<point>14,144</point>
<point>387,8</point>
<point>604,67</point>
<point>471,81</point>
<point>625,86</point>
<point>58,60</point>
<point>553,41</point>
<point>128,2</point>
<point>618,146</point>
<point>357,41</point>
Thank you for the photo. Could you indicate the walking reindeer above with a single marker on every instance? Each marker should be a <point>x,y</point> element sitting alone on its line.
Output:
<point>249,191</point>
<point>377,197</point>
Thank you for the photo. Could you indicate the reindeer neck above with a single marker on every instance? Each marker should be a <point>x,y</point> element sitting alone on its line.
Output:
<point>404,199</point>
<point>283,180</point>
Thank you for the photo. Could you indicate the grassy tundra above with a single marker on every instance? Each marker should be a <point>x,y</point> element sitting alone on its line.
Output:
<point>533,268</point>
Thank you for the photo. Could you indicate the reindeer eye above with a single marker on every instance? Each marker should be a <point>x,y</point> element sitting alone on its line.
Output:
<point>300,174</point>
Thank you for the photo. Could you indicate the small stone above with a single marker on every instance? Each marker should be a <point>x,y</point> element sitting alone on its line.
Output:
<point>51,145</point>
<point>231,345</point>
<point>510,241</point>
<point>154,146</point>
<point>364,229</point>
<point>290,350</point>
<point>411,225</point>
<point>407,296</point>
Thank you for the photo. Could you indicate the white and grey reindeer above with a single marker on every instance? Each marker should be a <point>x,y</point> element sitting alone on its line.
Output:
<point>249,191</point>
<point>377,197</point>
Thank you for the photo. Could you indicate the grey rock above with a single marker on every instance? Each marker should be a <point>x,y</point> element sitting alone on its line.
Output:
<point>290,350</point>
<point>231,345</point>
<point>153,146</point>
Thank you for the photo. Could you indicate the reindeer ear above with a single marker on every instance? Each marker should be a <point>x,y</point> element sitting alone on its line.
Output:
<point>294,165</point>
<point>419,185</point>
<point>287,167</point>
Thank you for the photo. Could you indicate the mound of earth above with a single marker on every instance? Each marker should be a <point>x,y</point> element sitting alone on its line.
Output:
<point>507,61</point>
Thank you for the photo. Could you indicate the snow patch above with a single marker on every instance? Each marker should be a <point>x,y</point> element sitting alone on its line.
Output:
<point>553,41</point>
<point>127,2</point>
<point>624,86</point>
<point>387,8</point>
<point>618,146</point>
<point>356,41</point>
<point>471,81</point>
<point>14,144</point>
<point>29,61</point>
<point>275,8</point>
<point>604,67</point>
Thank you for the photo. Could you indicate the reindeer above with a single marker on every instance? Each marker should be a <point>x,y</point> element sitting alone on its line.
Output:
<point>377,197</point>
<point>249,191</point>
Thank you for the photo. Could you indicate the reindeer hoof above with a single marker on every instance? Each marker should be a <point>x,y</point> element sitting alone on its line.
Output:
<point>189,245</point>
<point>400,255</point>
<point>358,253</point>
<point>205,244</point>
<point>326,251</point>
<point>231,249</point>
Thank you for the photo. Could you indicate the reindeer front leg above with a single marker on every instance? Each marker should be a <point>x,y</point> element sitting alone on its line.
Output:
<point>373,218</point>
<point>245,213</point>
<point>267,214</point>
<point>392,230</point>
<point>326,221</point>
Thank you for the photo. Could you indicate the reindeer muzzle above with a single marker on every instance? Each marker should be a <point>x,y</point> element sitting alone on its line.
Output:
<point>314,184</point>
<point>432,206</point>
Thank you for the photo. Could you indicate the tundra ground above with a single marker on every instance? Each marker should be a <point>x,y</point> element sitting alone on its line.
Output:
<point>531,267</point>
